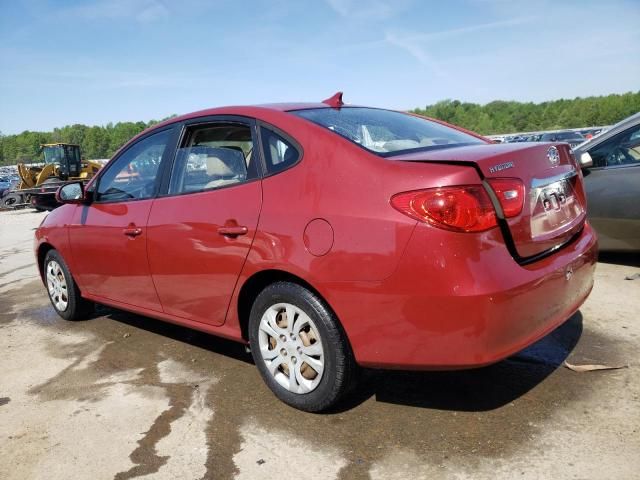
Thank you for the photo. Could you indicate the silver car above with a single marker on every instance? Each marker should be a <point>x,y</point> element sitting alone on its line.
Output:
<point>611,167</point>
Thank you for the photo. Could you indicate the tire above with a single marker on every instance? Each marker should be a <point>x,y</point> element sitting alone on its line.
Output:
<point>314,346</point>
<point>62,289</point>
<point>12,199</point>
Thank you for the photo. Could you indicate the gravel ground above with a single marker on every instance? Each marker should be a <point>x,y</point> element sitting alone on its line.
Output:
<point>123,396</point>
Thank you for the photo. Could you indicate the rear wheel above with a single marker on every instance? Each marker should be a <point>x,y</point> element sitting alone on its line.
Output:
<point>63,291</point>
<point>299,348</point>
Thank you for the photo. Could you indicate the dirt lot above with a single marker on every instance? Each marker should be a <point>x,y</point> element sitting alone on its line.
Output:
<point>123,396</point>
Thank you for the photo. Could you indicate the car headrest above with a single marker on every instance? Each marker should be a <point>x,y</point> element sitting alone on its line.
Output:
<point>221,161</point>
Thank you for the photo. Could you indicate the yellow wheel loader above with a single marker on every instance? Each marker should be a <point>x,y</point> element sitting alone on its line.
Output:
<point>38,184</point>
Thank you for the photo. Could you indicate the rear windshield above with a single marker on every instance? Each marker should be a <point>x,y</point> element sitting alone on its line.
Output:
<point>385,132</point>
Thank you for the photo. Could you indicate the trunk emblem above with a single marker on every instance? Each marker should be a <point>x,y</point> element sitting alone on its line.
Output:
<point>501,166</point>
<point>553,155</point>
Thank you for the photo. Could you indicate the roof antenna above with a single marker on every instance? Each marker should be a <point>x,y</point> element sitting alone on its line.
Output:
<point>335,101</point>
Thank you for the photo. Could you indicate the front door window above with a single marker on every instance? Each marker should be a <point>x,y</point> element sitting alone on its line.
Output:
<point>133,175</point>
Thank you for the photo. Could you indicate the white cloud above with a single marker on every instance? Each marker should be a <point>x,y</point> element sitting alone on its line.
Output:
<point>155,11</point>
<point>415,44</point>
<point>415,50</point>
<point>144,11</point>
<point>370,10</point>
<point>456,32</point>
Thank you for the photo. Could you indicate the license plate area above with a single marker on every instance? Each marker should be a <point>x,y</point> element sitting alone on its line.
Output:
<point>554,206</point>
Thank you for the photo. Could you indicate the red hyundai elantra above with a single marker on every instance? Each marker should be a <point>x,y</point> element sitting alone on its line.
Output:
<point>328,237</point>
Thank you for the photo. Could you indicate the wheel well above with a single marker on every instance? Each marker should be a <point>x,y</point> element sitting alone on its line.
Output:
<point>258,282</point>
<point>42,252</point>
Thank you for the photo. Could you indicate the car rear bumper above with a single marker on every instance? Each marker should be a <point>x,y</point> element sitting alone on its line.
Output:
<point>462,301</point>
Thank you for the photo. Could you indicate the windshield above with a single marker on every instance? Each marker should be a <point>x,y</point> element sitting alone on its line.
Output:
<point>385,132</point>
<point>53,154</point>
<point>58,153</point>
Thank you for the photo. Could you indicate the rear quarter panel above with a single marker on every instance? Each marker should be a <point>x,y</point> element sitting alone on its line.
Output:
<point>348,187</point>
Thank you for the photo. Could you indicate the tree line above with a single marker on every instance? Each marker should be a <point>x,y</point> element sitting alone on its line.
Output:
<point>510,117</point>
<point>95,141</point>
<point>493,118</point>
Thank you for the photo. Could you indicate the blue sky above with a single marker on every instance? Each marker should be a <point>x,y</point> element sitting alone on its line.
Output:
<point>96,61</point>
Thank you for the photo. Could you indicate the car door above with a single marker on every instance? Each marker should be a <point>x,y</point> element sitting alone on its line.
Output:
<point>200,231</point>
<point>108,237</point>
<point>613,190</point>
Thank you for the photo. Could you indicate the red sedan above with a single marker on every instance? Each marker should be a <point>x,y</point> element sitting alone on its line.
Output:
<point>328,237</point>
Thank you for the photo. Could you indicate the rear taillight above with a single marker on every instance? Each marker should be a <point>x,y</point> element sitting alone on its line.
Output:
<point>510,193</point>
<point>464,208</point>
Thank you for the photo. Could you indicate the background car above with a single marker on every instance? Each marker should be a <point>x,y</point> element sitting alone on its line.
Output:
<point>572,138</point>
<point>612,181</point>
<point>5,183</point>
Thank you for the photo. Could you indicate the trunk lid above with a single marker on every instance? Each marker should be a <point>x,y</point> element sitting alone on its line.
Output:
<point>554,208</point>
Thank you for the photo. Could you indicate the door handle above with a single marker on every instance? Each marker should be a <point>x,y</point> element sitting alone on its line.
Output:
<point>132,231</point>
<point>233,231</point>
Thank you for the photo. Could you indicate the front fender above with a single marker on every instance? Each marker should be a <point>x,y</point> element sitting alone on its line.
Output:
<point>53,232</point>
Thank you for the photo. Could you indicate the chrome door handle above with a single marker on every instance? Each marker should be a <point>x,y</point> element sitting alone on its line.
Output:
<point>132,231</point>
<point>233,232</point>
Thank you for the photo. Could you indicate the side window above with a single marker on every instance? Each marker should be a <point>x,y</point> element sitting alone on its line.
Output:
<point>213,156</point>
<point>133,175</point>
<point>623,149</point>
<point>279,153</point>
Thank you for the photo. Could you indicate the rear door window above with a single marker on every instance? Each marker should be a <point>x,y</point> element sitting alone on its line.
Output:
<point>213,156</point>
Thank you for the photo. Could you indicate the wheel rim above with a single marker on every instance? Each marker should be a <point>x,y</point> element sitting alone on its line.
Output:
<point>57,286</point>
<point>291,348</point>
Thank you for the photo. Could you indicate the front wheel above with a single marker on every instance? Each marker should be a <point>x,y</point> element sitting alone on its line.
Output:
<point>63,291</point>
<point>299,348</point>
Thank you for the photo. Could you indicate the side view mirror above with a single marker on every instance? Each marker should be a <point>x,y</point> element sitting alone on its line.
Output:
<point>71,193</point>
<point>585,160</point>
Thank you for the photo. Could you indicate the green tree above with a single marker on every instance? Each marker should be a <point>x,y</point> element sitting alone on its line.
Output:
<point>506,117</point>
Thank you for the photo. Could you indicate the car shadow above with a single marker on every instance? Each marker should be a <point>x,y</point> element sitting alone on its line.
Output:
<point>631,259</point>
<point>187,335</point>
<point>472,390</point>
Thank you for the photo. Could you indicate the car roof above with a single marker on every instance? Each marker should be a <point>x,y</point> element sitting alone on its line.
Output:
<point>614,130</point>
<point>249,110</point>
<point>287,107</point>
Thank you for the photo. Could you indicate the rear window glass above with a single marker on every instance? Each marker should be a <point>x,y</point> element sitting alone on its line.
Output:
<point>386,132</point>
